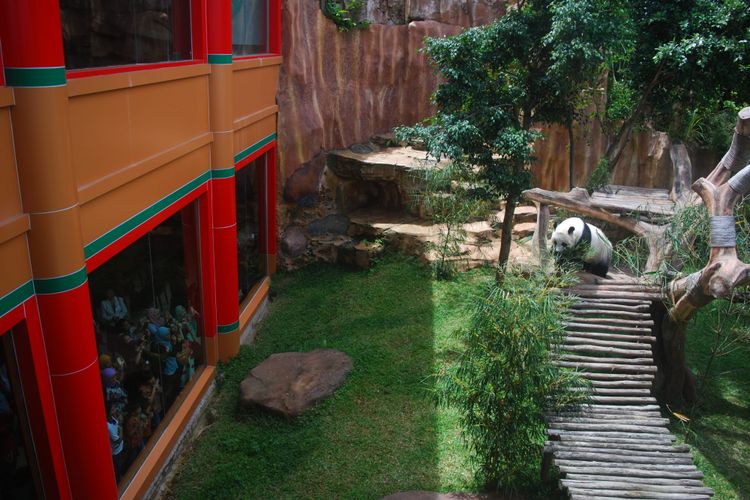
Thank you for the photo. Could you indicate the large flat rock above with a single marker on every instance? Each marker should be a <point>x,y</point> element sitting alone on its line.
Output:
<point>289,383</point>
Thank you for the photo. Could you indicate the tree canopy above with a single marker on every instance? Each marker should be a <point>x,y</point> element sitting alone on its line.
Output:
<point>527,67</point>
<point>689,62</point>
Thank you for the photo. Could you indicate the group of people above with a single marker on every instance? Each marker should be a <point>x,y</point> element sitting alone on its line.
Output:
<point>145,361</point>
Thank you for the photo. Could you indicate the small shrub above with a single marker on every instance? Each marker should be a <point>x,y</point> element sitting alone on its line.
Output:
<point>504,379</point>
<point>630,254</point>
<point>599,177</point>
<point>346,14</point>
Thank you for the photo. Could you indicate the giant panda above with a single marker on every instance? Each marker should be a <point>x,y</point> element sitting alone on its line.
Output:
<point>571,233</point>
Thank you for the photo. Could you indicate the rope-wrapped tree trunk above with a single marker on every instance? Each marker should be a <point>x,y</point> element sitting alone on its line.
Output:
<point>724,272</point>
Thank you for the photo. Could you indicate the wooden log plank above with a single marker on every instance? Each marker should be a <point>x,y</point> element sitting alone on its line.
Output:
<point>607,367</point>
<point>577,326</point>
<point>617,337</point>
<point>646,495</point>
<point>682,473</point>
<point>622,305</point>
<point>607,416</point>
<point>625,485</point>
<point>614,441</point>
<point>610,415</point>
<point>640,428</point>
<point>622,190</point>
<point>629,352</point>
<point>635,447</point>
<point>634,488</point>
<point>617,344</point>
<point>608,391</point>
<point>615,287</point>
<point>633,205</point>
<point>645,323</point>
<point>585,456</point>
<point>590,435</point>
<point>628,337</point>
<point>612,313</point>
<point>644,468</point>
<point>594,376</point>
<point>556,446</point>
<point>597,419</point>
<point>640,480</point>
<point>624,409</point>
<point>620,384</point>
<point>602,359</point>
<point>640,297</point>
<point>622,399</point>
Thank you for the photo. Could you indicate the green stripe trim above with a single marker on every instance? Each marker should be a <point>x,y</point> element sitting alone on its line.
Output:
<point>60,283</point>
<point>121,230</point>
<point>222,173</point>
<point>13,299</point>
<point>255,147</point>
<point>219,58</point>
<point>35,77</point>
<point>224,329</point>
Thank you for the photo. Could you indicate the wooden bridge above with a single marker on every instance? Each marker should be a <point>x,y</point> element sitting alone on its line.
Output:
<point>618,445</point>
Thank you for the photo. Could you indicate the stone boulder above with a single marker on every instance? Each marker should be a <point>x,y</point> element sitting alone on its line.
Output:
<point>289,383</point>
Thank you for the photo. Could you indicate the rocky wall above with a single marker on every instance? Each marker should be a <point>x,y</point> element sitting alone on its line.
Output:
<point>339,89</point>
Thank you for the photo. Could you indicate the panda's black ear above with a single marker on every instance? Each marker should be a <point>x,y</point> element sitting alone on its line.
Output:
<point>571,229</point>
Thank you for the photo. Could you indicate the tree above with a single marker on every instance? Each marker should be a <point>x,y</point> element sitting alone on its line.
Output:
<point>498,81</point>
<point>692,61</point>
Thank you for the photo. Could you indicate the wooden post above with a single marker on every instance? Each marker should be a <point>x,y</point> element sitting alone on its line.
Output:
<point>539,240</point>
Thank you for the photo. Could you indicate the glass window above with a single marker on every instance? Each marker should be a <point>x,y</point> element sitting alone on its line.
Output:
<point>105,33</point>
<point>249,27</point>
<point>147,305</point>
<point>250,258</point>
<point>18,471</point>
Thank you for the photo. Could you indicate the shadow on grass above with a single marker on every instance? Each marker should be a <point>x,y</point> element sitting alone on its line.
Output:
<point>379,434</point>
<point>720,430</point>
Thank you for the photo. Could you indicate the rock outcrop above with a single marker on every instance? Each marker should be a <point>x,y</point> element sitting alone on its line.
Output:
<point>338,89</point>
<point>288,383</point>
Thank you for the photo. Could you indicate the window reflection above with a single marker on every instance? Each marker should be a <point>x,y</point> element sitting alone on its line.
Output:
<point>249,27</point>
<point>147,303</point>
<point>109,33</point>
<point>18,473</point>
<point>250,266</point>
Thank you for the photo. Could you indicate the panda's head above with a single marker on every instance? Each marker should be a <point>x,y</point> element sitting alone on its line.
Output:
<point>566,235</point>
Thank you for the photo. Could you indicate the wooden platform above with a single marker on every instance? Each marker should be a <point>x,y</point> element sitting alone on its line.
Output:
<point>618,445</point>
<point>627,199</point>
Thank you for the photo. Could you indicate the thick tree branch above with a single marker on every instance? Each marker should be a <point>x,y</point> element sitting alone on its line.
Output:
<point>578,201</point>
<point>721,192</point>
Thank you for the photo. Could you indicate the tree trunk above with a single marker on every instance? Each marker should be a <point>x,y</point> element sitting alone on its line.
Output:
<point>507,232</point>
<point>571,156</point>
<point>614,151</point>
<point>676,383</point>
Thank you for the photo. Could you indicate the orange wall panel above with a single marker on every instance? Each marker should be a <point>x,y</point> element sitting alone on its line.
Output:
<point>14,251</point>
<point>254,90</point>
<point>247,136</point>
<point>10,197</point>
<point>100,134</point>
<point>113,208</point>
<point>113,129</point>
<point>167,114</point>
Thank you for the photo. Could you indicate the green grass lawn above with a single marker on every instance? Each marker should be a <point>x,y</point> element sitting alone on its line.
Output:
<point>381,432</point>
<point>719,431</point>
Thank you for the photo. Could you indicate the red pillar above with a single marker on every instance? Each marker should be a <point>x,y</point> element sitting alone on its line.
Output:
<point>222,173</point>
<point>35,66</point>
